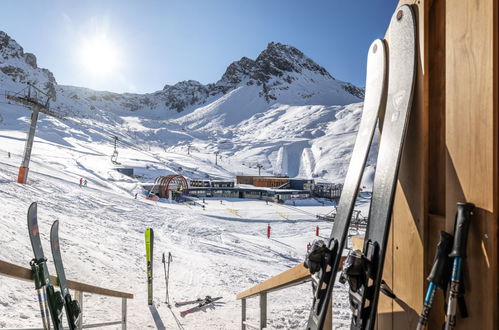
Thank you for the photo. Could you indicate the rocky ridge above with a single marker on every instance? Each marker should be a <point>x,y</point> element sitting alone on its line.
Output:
<point>273,72</point>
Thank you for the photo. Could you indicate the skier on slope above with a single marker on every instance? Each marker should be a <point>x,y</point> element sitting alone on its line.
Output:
<point>81,182</point>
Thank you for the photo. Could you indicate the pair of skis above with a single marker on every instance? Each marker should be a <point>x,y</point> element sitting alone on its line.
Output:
<point>201,303</point>
<point>440,275</point>
<point>389,85</point>
<point>51,301</point>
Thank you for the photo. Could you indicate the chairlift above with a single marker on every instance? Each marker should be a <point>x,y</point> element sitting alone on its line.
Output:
<point>114,156</point>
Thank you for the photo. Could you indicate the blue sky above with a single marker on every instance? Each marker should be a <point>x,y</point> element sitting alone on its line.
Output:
<point>139,46</point>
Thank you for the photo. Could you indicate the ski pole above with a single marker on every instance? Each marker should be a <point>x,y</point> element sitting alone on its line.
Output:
<point>166,278</point>
<point>463,217</point>
<point>438,277</point>
<point>170,258</point>
<point>167,275</point>
<point>37,270</point>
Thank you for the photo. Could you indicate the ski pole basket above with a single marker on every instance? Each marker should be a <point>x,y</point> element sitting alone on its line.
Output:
<point>26,274</point>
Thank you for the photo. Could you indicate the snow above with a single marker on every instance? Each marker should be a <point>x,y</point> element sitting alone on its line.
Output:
<point>218,251</point>
<point>307,131</point>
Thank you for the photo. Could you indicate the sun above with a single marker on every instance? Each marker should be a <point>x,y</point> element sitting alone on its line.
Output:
<point>99,55</point>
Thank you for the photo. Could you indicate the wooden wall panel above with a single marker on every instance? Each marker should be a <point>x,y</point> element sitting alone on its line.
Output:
<point>471,145</point>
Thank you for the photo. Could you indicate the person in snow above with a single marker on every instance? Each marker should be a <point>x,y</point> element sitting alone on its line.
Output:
<point>81,182</point>
<point>85,182</point>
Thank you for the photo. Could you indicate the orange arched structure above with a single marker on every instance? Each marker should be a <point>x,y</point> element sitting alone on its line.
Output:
<point>172,182</point>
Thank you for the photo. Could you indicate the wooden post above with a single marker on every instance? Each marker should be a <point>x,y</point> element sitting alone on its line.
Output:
<point>263,310</point>
<point>79,298</point>
<point>123,313</point>
<point>243,314</point>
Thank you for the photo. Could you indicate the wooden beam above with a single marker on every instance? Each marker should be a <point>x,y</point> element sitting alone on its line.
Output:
<point>296,275</point>
<point>293,276</point>
<point>25,274</point>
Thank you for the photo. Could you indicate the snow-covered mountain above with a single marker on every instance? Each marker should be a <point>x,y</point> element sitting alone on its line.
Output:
<point>282,105</point>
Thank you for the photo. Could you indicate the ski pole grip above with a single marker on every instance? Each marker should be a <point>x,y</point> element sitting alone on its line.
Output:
<point>441,261</point>
<point>463,218</point>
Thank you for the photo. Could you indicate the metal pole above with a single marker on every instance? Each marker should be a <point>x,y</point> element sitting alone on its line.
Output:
<point>243,314</point>
<point>168,278</point>
<point>79,298</point>
<point>123,313</point>
<point>23,170</point>
<point>263,310</point>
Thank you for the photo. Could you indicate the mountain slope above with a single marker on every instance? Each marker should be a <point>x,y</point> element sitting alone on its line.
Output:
<point>282,100</point>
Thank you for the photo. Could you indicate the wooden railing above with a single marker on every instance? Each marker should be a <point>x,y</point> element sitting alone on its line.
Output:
<point>25,274</point>
<point>291,277</point>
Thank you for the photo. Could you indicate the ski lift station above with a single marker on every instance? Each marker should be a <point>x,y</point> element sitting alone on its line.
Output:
<point>275,189</point>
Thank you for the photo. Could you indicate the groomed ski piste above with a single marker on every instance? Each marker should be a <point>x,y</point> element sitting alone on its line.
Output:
<point>218,251</point>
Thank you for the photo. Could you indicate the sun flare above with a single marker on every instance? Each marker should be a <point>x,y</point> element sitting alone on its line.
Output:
<point>99,55</point>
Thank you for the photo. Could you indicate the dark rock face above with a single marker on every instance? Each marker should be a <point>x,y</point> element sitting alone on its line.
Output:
<point>30,59</point>
<point>10,49</point>
<point>276,61</point>
<point>17,74</point>
<point>279,59</point>
<point>354,90</point>
<point>184,94</point>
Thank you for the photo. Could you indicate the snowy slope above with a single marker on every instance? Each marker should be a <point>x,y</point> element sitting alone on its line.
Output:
<point>216,251</point>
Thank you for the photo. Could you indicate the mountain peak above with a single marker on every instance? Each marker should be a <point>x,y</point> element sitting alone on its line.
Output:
<point>278,58</point>
<point>22,67</point>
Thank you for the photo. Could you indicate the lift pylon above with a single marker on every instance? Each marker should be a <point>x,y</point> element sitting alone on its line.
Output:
<point>30,97</point>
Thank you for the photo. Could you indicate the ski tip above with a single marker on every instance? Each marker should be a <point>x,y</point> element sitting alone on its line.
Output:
<point>55,227</point>
<point>54,236</point>
<point>32,208</point>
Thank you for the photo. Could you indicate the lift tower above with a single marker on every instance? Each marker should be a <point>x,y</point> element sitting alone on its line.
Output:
<point>38,101</point>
